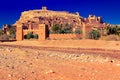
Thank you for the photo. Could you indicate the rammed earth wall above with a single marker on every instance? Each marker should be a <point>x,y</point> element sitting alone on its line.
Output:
<point>65,36</point>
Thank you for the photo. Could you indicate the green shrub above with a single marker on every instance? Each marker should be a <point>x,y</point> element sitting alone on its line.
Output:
<point>4,37</point>
<point>1,32</point>
<point>12,36</point>
<point>113,30</point>
<point>66,28</point>
<point>78,32</point>
<point>56,29</point>
<point>112,38</point>
<point>61,28</point>
<point>12,31</point>
<point>29,35</point>
<point>36,36</point>
<point>94,34</point>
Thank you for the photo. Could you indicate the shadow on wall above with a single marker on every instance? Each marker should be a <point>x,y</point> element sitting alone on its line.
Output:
<point>8,40</point>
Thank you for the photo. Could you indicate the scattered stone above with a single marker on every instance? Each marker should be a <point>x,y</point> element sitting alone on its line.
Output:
<point>6,58</point>
<point>12,67</point>
<point>37,52</point>
<point>7,66</point>
<point>49,72</point>
<point>23,78</point>
<point>117,64</point>
<point>96,71</point>
<point>10,61</point>
<point>30,65</point>
<point>36,57</point>
<point>77,55</point>
<point>83,69</point>
<point>49,64</point>
<point>8,50</point>
<point>112,61</point>
<point>32,72</point>
<point>9,75</point>
<point>80,75</point>
<point>24,61</point>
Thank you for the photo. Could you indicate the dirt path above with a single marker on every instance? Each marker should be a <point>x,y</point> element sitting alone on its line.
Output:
<point>114,45</point>
<point>93,51</point>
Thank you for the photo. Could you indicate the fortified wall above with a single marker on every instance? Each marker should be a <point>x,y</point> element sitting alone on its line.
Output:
<point>33,18</point>
<point>30,21</point>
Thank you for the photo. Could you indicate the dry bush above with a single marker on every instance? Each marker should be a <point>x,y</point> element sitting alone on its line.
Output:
<point>4,37</point>
<point>112,38</point>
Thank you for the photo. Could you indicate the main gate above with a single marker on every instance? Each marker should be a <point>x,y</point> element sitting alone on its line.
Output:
<point>41,31</point>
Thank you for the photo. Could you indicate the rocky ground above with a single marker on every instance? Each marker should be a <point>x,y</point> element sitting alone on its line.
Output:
<point>34,64</point>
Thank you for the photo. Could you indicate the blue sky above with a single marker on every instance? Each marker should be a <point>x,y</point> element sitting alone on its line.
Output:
<point>10,10</point>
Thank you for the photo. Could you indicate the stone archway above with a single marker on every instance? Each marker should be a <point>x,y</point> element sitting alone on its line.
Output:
<point>41,31</point>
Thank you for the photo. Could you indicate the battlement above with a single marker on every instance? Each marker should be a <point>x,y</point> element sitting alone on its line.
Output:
<point>44,8</point>
<point>94,18</point>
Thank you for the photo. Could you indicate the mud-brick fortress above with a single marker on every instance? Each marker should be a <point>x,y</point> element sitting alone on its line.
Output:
<point>40,21</point>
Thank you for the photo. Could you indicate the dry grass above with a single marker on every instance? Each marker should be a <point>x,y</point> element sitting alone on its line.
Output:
<point>111,38</point>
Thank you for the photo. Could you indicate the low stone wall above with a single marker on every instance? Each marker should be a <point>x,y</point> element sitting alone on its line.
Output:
<point>65,36</point>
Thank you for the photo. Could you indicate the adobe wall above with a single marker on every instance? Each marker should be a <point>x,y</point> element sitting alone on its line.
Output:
<point>27,31</point>
<point>88,30</point>
<point>19,33</point>
<point>42,32</point>
<point>65,36</point>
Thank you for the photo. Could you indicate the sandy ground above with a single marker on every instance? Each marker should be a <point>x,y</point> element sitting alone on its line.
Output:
<point>70,43</point>
<point>29,64</point>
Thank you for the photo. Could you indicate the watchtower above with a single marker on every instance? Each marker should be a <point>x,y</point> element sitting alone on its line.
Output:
<point>44,8</point>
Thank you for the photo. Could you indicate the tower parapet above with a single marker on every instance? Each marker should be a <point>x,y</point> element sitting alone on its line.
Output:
<point>44,8</point>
